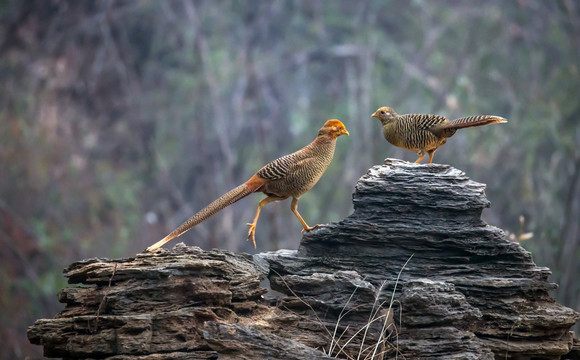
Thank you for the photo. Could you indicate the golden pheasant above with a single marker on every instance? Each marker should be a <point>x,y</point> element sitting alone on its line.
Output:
<point>289,176</point>
<point>424,133</point>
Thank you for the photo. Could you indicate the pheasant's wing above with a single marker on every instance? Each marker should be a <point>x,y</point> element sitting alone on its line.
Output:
<point>281,167</point>
<point>419,127</point>
<point>425,121</point>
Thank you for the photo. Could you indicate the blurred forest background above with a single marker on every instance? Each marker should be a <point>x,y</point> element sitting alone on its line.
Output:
<point>120,119</point>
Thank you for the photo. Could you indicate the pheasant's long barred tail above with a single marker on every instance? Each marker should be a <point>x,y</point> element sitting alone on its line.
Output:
<point>223,201</point>
<point>477,120</point>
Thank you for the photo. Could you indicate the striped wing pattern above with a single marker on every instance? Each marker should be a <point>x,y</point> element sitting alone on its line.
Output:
<point>278,168</point>
<point>424,121</point>
<point>414,131</point>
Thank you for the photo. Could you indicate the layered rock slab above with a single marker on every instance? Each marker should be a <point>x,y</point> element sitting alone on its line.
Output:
<point>414,273</point>
<point>464,282</point>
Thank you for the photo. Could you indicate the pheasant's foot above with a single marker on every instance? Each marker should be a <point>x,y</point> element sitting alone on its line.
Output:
<point>421,157</point>
<point>252,233</point>
<point>310,228</point>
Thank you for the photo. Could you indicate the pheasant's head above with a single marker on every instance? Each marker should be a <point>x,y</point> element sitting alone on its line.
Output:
<point>385,114</point>
<point>333,127</point>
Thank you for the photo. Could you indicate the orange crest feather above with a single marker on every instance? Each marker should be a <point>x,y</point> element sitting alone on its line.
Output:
<point>334,122</point>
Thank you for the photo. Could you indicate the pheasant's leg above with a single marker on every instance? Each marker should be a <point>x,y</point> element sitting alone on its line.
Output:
<point>430,152</point>
<point>261,204</point>
<point>421,156</point>
<point>294,207</point>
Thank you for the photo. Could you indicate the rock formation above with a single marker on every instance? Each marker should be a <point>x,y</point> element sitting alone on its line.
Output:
<point>413,273</point>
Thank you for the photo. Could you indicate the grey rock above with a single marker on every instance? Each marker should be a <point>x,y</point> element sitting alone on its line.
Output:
<point>413,273</point>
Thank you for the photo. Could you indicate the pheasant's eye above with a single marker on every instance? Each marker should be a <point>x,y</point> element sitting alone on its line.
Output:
<point>382,112</point>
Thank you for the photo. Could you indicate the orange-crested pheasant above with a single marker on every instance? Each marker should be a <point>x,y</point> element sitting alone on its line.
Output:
<point>424,133</point>
<point>289,176</point>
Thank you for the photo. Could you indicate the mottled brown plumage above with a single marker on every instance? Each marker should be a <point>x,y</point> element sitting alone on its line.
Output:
<point>424,133</point>
<point>289,176</point>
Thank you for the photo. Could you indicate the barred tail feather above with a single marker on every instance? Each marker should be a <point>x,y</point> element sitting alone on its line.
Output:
<point>448,129</point>
<point>222,202</point>
<point>478,120</point>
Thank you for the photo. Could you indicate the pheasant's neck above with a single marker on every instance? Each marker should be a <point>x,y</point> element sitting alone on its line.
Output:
<point>323,147</point>
<point>391,133</point>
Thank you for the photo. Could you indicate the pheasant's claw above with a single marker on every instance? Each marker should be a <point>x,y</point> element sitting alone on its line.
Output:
<point>310,228</point>
<point>252,233</point>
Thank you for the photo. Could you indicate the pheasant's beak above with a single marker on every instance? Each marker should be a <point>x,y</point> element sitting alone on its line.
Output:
<point>374,115</point>
<point>346,132</point>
